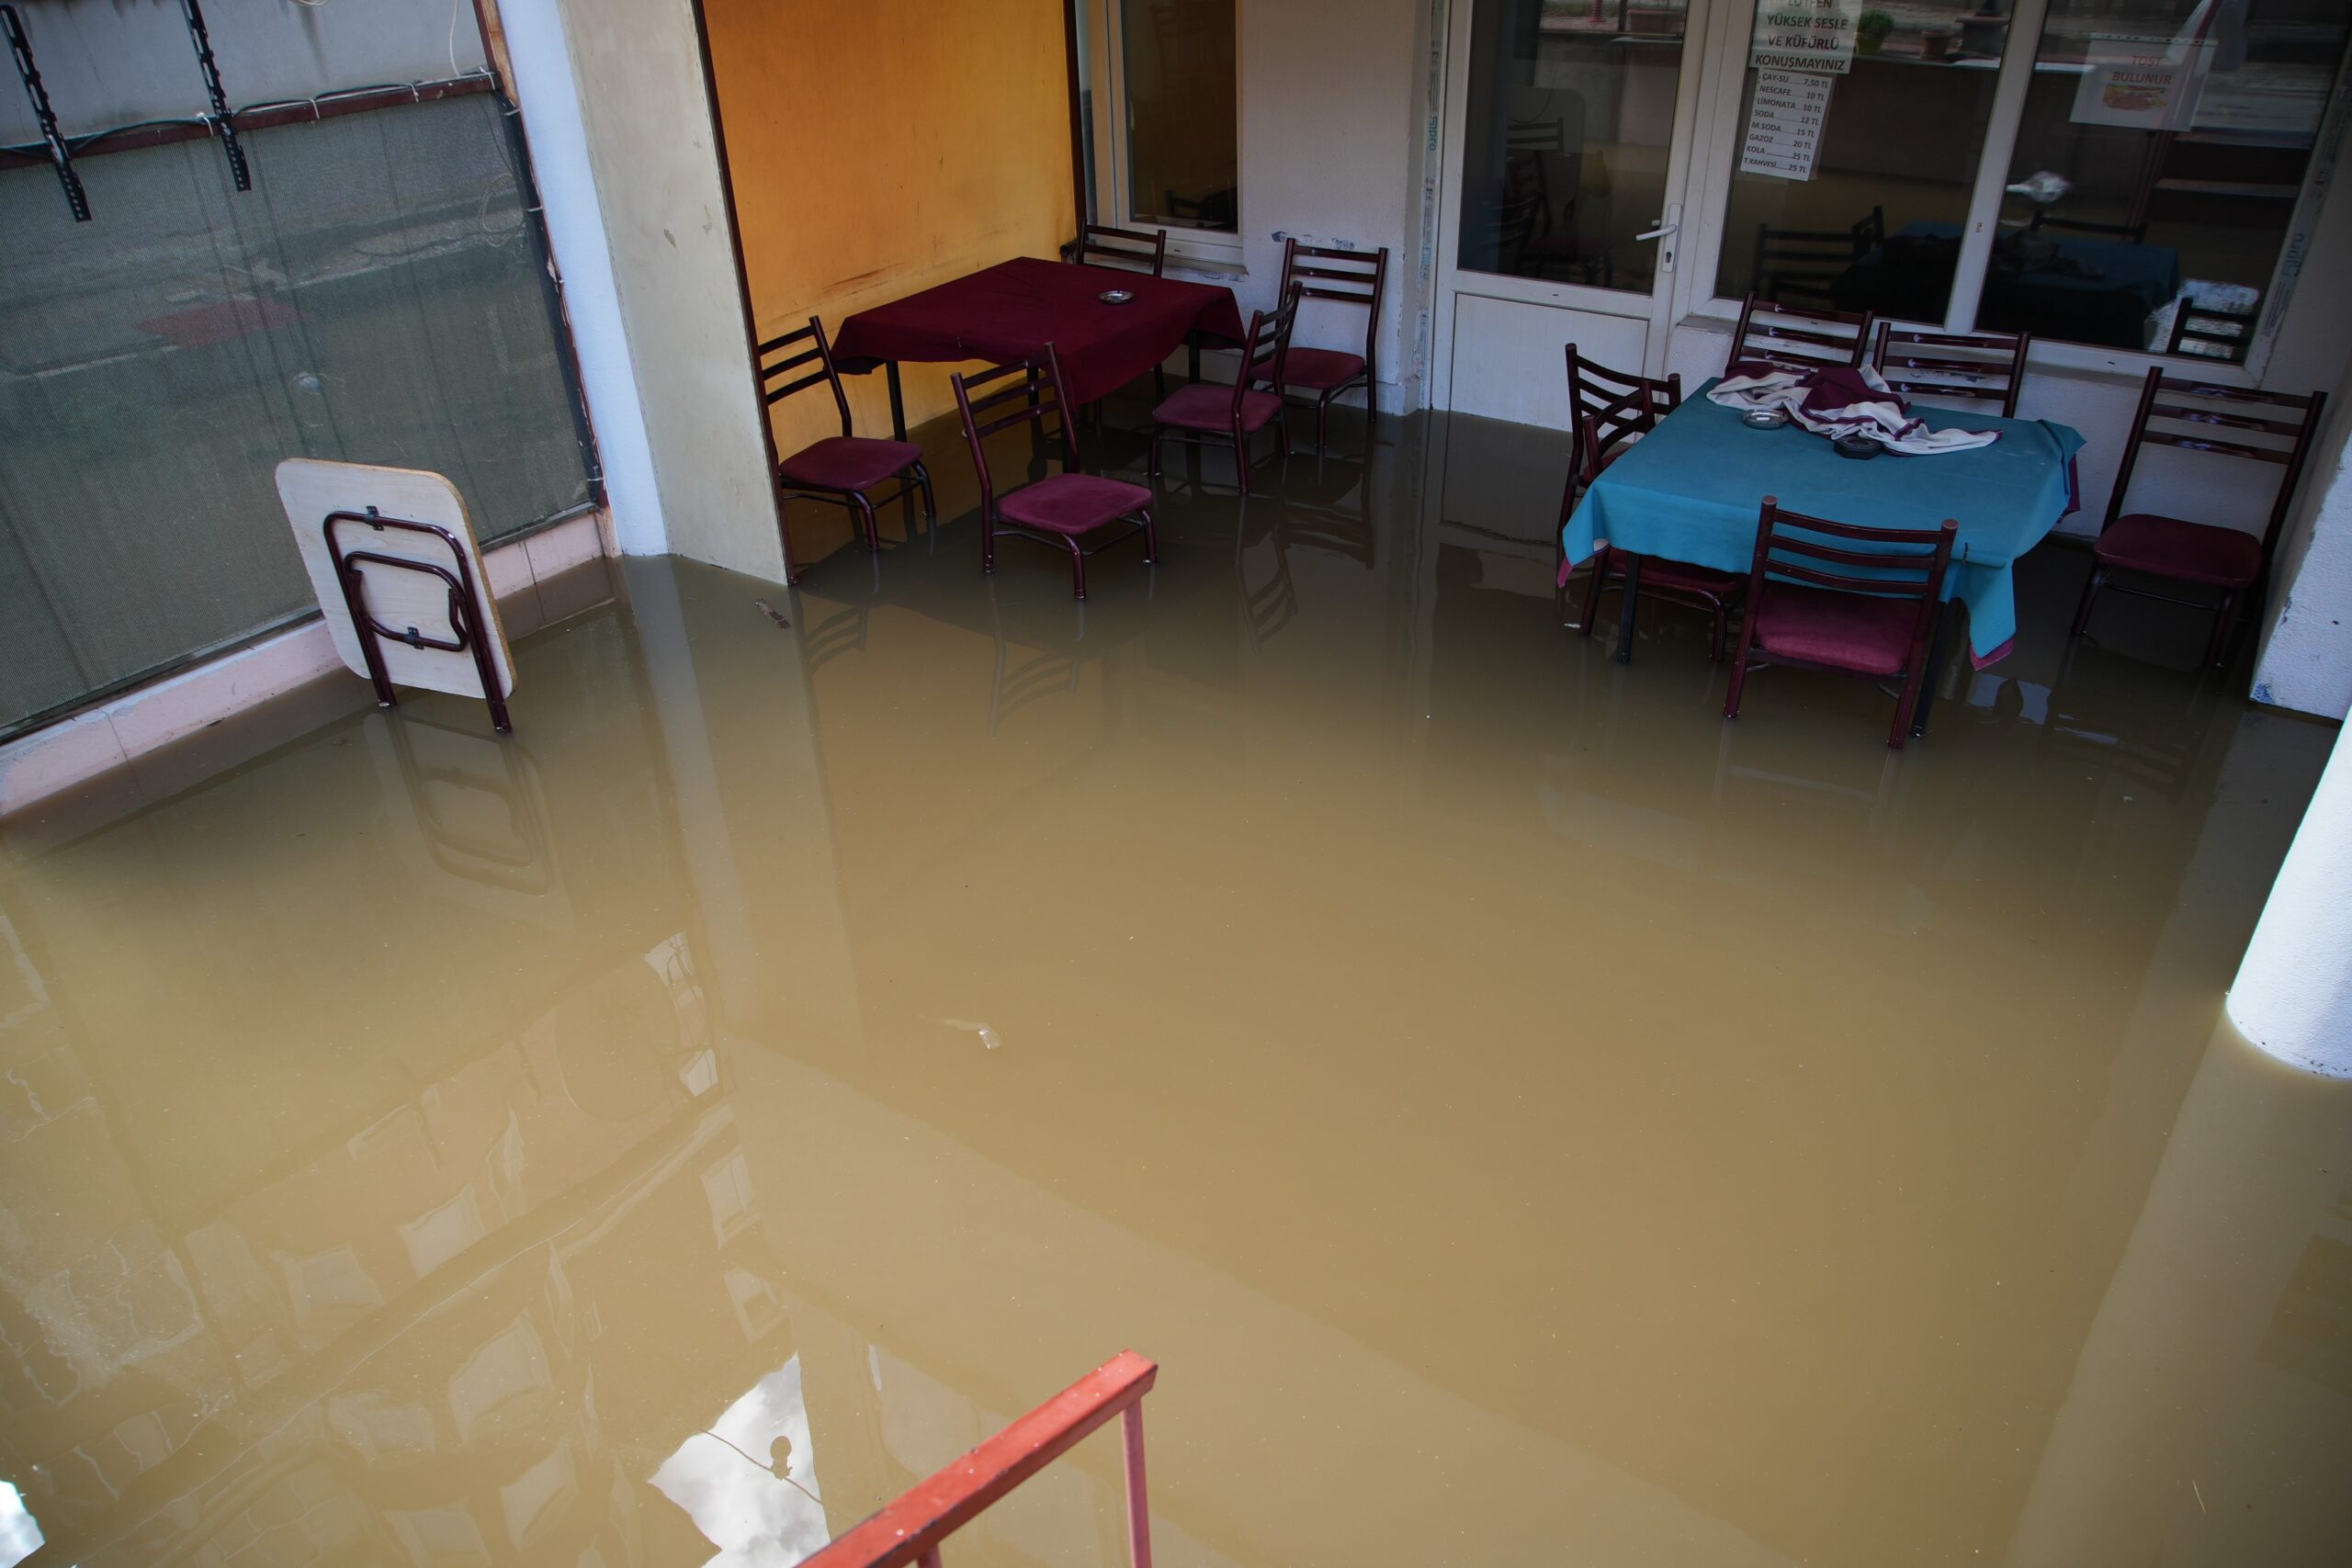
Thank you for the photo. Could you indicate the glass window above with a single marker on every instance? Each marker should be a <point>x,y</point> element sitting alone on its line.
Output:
<point>1183,154</point>
<point>1564,154</point>
<point>377,297</point>
<point>1853,173</point>
<point>2163,148</point>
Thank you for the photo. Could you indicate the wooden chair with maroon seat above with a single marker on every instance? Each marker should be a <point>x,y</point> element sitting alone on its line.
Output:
<point>839,469</point>
<point>1973,366</point>
<point>1874,622</point>
<point>1351,277</point>
<point>1206,413</point>
<point>1059,510</point>
<point>1607,410</point>
<point>2269,428</point>
<point>1134,250</point>
<point>1790,337</point>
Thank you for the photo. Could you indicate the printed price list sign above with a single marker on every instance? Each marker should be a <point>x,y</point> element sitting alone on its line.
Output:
<point>1785,124</point>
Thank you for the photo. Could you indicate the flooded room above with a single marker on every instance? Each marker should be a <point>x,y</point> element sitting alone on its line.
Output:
<point>1049,784</point>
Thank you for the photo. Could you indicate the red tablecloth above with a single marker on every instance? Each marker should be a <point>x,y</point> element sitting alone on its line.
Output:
<point>1014,308</point>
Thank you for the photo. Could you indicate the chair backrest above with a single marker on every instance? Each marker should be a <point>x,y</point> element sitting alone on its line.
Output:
<point>1895,563</point>
<point>1986,367</point>
<point>1607,408</point>
<point>1134,250</point>
<point>2130,233</point>
<point>1793,338</point>
<point>1351,277</point>
<point>818,352</point>
<point>1267,348</point>
<point>1799,265</point>
<point>1000,397</point>
<point>2270,427</point>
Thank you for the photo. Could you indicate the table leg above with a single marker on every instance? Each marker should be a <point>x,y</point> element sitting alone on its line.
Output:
<point>897,402</point>
<point>1938,650</point>
<point>1629,596</point>
<point>1192,358</point>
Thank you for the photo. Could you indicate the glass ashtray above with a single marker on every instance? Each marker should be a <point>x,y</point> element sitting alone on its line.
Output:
<point>1765,419</point>
<point>1115,296</point>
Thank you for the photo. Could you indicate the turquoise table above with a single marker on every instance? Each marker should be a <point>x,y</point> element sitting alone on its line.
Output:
<point>1688,492</point>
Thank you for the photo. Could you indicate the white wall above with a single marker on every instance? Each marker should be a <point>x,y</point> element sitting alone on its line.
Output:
<point>1331,91</point>
<point>557,134</point>
<point>633,137</point>
<point>130,60</point>
<point>2305,660</point>
<point>2294,993</point>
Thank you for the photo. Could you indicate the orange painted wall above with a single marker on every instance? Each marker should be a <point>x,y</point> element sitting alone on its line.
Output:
<point>881,146</point>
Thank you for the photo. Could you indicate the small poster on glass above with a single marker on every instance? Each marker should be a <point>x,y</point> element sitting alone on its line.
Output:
<point>2149,83</point>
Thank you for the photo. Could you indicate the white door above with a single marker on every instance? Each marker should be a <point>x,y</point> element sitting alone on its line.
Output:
<point>1566,159</point>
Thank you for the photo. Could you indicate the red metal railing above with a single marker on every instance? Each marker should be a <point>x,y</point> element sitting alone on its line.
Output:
<point>910,1528</point>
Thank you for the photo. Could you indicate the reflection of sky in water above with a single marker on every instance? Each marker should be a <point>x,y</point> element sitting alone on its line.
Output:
<point>757,1516</point>
<point>19,1536</point>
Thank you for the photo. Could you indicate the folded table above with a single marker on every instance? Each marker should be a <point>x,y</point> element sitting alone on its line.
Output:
<point>1011,311</point>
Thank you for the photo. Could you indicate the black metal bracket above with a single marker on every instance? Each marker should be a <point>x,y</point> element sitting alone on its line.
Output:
<point>466,634</point>
<point>222,121</point>
<point>59,154</point>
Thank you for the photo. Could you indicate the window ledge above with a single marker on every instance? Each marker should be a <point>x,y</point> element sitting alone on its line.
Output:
<point>1206,265</point>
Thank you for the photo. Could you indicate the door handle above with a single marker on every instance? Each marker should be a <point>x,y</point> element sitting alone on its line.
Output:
<point>1660,232</point>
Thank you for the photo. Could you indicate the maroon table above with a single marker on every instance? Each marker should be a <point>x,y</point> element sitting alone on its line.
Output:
<point>1014,308</point>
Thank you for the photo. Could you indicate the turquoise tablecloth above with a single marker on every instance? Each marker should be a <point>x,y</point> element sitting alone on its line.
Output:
<point>1689,490</point>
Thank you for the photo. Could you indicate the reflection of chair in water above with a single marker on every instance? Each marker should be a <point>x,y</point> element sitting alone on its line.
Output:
<point>2122,720</point>
<point>1880,802</point>
<point>1015,686</point>
<point>477,802</point>
<point>1267,609</point>
<point>841,632</point>
<point>1798,265</point>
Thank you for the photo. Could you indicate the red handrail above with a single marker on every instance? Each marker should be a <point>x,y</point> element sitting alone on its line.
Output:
<point>909,1528</point>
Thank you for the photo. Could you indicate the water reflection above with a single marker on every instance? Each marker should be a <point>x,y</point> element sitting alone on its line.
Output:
<point>1527,1118</point>
<point>750,1480</point>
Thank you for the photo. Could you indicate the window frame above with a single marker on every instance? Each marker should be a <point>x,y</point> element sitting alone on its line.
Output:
<point>1106,81</point>
<point>1716,158</point>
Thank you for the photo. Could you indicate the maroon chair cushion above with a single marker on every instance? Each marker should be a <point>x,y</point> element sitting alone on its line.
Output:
<point>1659,572</point>
<point>1320,369</point>
<point>2192,552</point>
<point>1204,406</point>
<point>847,462</point>
<point>1860,632</point>
<point>1072,504</point>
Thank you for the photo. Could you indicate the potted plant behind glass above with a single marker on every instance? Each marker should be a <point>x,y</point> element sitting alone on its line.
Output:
<point>1869,31</point>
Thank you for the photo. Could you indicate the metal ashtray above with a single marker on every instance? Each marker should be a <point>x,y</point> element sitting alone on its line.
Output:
<point>1859,446</point>
<point>1115,296</point>
<point>1765,419</point>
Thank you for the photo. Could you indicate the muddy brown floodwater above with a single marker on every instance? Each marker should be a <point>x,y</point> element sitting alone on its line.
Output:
<point>1529,1120</point>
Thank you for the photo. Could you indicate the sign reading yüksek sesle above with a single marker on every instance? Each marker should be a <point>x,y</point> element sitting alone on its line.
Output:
<point>1804,35</point>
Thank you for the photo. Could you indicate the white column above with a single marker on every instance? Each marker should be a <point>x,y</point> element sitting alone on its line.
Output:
<point>2293,993</point>
<point>548,95</point>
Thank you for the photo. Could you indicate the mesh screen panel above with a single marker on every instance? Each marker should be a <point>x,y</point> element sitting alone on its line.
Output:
<point>375,298</point>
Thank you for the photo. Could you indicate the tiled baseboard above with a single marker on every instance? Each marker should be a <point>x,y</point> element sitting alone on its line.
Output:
<point>115,735</point>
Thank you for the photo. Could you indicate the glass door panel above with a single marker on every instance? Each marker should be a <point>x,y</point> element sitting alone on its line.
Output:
<point>1569,123</point>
